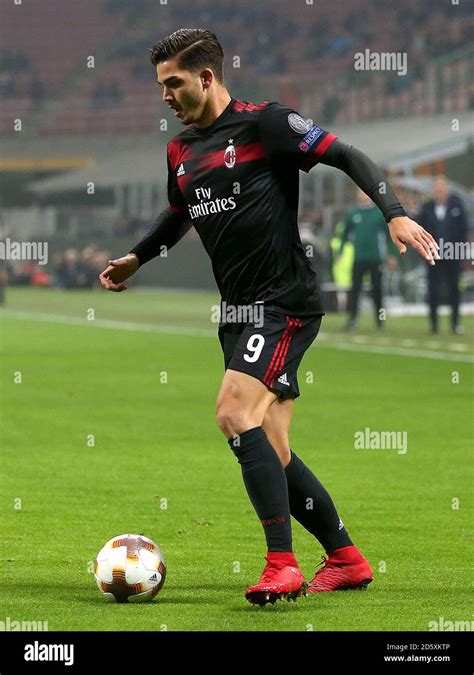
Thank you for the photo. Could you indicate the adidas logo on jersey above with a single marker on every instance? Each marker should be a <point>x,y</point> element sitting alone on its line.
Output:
<point>283,379</point>
<point>180,171</point>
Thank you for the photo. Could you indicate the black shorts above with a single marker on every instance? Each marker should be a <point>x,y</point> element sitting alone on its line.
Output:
<point>270,347</point>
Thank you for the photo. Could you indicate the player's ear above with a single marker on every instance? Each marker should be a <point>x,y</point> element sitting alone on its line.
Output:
<point>206,77</point>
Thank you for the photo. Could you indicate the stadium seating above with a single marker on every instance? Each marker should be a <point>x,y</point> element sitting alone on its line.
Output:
<point>306,55</point>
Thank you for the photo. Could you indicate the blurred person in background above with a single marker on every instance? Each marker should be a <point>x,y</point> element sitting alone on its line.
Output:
<point>20,272</point>
<point>74,269</point>
<point>67,269</point>
<point>40,277</point>
<point>89,266</point>
<point>342,263</point>
<point>366,227</point>
<point>444,218</point>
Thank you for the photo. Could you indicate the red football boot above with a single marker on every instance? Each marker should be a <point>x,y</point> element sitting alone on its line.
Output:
<point>344,569</point>
<point>281,579</point>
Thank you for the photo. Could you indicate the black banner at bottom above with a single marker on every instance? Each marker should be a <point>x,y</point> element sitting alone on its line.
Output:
<point>87,652</point>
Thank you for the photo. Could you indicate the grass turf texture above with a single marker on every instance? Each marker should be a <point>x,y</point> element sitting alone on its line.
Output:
<point>157,440</point>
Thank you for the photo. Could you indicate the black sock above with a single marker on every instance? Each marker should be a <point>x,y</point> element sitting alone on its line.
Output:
<point>266,484</point>
<point>312,506</point>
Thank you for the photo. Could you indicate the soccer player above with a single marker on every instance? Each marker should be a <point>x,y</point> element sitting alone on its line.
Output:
<point>233,173</point>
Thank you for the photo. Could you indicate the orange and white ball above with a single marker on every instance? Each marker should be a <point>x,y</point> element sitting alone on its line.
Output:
<point>130,568</point>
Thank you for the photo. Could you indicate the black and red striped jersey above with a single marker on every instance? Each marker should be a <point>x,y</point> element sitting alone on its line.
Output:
<point>239,181</point>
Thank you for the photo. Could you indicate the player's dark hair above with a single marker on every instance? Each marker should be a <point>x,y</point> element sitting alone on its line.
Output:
<point>197,48</point>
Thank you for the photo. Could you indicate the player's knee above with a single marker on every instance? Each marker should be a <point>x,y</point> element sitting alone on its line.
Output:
<point>232,420</point>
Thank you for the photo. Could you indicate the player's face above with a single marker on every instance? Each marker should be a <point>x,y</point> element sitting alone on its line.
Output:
<point>182,90</point>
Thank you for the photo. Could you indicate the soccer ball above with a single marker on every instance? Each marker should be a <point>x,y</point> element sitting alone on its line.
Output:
<point>130,568</point>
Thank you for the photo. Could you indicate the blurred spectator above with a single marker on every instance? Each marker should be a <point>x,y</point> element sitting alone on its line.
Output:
<point>40,277</point>
<point>26,273</point>
<point>367,228</point>
<point>445,219</point>
<point>74,269</point>
<point>341,263</point>
<point>69,270</point>
<point>89,267</point>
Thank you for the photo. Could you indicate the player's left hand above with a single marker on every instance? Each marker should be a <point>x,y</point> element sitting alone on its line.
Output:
<point>404,230</point>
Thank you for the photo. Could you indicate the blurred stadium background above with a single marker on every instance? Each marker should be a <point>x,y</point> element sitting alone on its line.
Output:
<point>80,107</point>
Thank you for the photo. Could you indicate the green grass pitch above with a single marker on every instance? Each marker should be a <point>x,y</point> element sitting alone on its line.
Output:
<point>93,364</point>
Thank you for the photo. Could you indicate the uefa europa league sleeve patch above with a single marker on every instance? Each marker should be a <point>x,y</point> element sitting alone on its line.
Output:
<point>298,123</point>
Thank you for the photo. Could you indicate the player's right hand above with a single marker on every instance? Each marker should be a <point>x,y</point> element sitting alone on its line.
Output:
<point>117,271</point>
<point>404,230</point>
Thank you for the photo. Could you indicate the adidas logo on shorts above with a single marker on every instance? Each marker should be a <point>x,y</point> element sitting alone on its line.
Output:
<point>181,170</point>
<point>283,379</point>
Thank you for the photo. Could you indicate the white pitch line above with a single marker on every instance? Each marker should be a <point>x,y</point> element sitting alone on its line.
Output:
<point>109,323</point>
<point>458,347</point>
<point>399,351</point>
<point>324,343</point>
<point>360,339</point>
